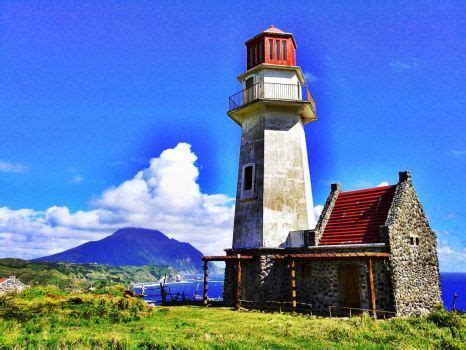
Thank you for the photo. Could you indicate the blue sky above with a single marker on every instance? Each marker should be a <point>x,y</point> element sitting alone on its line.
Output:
<point>91,91</point>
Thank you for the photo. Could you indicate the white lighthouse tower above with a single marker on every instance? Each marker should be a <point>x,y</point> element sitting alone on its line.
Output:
<point>274,194</point>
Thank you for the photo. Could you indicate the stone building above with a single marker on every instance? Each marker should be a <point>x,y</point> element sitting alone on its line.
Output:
<point>11,285</point>
<point>371,249</point>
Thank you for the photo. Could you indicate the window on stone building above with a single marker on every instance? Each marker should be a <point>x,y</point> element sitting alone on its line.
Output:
<point>414,241</point>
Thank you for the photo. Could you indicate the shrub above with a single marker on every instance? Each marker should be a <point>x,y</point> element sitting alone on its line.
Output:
<point>444,318</point>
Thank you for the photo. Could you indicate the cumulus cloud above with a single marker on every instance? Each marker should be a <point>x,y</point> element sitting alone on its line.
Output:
<point>384,183</point>
<point>9,167</point>
<point>165,196</point>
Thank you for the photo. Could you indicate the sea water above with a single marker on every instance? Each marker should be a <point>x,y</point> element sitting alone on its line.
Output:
<point>192,287</point>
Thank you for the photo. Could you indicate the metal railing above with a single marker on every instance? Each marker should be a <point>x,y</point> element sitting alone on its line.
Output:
<point>271,91</point>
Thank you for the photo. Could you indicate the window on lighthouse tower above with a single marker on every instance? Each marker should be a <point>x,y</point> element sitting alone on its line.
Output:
<point>247,190</point>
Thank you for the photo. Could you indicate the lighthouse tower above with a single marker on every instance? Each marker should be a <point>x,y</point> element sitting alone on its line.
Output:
<point>274,194</point>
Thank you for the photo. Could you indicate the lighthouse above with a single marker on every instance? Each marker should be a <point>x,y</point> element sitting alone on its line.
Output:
<point>274,197</point>
<point>371,250</point>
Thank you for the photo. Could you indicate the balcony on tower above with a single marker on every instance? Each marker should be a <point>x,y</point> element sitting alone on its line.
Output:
<point>272,79</point>
<point>272,92</point>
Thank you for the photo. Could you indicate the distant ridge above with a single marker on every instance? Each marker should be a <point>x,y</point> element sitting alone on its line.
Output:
<point>136,247</point>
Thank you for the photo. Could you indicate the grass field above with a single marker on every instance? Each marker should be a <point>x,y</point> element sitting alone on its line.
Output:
<point>45,317</point>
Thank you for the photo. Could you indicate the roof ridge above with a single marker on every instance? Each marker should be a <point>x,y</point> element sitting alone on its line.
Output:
<point>370,189</point>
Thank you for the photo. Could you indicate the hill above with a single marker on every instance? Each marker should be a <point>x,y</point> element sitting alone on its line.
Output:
<point>79,276</point>
<point>134,247</point>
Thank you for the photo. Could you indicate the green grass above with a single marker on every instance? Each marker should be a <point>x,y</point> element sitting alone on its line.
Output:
<point>46,317</point>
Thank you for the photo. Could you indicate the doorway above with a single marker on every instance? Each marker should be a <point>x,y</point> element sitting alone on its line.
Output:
<point>349,278</point>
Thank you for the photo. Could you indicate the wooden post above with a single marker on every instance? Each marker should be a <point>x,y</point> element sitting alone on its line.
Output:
<point>206,275</point>
<point>238,282</point>
<point>371,286</point>
<point>293,284</point>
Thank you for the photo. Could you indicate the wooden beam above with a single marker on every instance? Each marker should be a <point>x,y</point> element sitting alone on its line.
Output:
<point>206,276</point>
<point>227,257</point>
<point>293,283</point>
<point>238,282</point>
<point>370,268</point>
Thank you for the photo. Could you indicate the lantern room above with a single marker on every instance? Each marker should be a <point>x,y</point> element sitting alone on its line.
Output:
<point>272,46</point>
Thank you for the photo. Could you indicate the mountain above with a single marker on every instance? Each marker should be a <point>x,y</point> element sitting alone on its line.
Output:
<point>134,247</point>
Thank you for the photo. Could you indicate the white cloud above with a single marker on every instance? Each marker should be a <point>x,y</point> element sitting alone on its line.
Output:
<point>405,64</point>
<point>9,167</point>
<point>384,183</point>
<point>452,259</point>
<point>310,78</point>
<point>165,196</point>
<point>77,179</point>
<point>458,153</point>
<point>317,211</point>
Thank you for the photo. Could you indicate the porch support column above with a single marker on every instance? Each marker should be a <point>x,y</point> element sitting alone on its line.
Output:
<point>370,268</point>
<point>206,275</point>
<point>238,282</point>
<point>293,283</point>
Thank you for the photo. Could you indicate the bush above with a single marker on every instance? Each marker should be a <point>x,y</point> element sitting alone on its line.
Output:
<point>444,318</point>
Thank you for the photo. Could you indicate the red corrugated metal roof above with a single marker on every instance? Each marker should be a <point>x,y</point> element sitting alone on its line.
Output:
<point>2,280</point>
<point>357,216</point>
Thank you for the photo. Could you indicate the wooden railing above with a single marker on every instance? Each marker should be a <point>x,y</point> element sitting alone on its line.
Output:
<point>356,310</point>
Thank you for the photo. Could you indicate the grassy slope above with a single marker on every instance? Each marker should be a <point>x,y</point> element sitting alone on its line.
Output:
<point>78,275</point>
<point>50,318</point>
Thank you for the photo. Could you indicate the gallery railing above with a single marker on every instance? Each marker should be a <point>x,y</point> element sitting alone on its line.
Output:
<point>271,91</point>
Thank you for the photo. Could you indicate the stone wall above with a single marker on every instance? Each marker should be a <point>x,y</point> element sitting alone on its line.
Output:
<point>324,217</point>
<point>317,283</point>
<point>414,268</point>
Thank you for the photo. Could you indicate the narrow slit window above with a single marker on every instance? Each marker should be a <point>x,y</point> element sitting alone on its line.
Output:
<point>277,48</point>
<point>260,53</point>
<point>255,54</point>
<point>248,173</point>
<point>250,57</point>
<point>284,50</point>
<point>271,49</point>
<point>411,240</point>
<point>417,240</point>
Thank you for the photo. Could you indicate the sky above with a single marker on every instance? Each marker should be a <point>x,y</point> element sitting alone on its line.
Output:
<point>113,113</point>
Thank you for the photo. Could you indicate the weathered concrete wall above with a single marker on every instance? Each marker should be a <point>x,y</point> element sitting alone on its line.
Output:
<point>248,223</point>
<point>415,271</point>
<point>285,190</point>
<point>274,140</point>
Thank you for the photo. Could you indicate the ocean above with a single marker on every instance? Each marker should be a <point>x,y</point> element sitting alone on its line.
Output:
<point>452,282</point>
